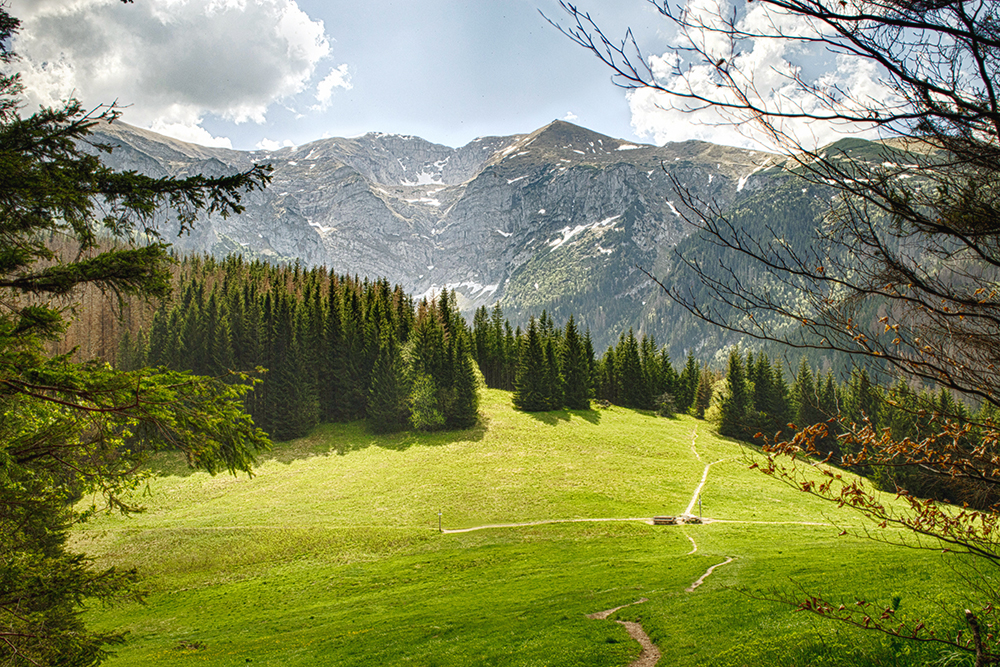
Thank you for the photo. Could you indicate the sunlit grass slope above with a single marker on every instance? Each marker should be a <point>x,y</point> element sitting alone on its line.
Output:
<point>331,555</point>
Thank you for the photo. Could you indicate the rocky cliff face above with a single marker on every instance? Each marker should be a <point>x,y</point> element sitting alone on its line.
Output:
<point>555,219</point>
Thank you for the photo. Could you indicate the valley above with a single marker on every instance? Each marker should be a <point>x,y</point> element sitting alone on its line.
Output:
<point>547,398</point>
<point>330,553</point>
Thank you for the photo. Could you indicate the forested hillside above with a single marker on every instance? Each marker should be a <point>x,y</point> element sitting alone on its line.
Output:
<point>328,347</point>
<point>331,348</point>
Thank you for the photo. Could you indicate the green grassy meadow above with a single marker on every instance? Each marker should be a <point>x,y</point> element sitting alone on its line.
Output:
<point>331,555</point>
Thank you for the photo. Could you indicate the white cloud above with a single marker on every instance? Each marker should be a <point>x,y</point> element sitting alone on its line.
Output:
<point>709,15</point>
<point>191,132</point>
<point>569,117</point>
<point>172,62</point>
<point>338,77</point>
<point>765,69</point>
<point>271,145</point>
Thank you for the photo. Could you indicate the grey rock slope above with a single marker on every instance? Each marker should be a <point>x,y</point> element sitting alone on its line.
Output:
<point>556,219</point>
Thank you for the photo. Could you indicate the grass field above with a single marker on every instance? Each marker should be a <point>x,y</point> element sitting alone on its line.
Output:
<point>331,555</point>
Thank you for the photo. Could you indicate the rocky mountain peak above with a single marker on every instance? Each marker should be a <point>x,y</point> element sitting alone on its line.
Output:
<point>560,142</point>
<point>558,218</point>
<point>400,160</point>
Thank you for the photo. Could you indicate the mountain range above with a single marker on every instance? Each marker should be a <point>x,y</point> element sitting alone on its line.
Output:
<point>560,219</point>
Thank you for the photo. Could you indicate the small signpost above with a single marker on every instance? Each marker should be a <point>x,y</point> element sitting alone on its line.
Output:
<point>439,522</point>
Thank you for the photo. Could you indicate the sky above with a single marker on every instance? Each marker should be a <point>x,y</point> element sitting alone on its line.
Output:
<point>254,74</point>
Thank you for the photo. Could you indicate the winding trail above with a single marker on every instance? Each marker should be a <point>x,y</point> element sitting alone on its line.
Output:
<point>770,523</point>
<point>650,653</point>
<point>709,571</point>
<point>601,615</point>
<point>694,437</point>
<point>697,491</point>
<point>694,545</point>
<point>539,523</point>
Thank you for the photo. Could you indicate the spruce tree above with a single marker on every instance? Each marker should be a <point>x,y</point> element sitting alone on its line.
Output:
<point>192,352</point>
<point>425,415</point>
<point>387,396</point>
<point>481,348</point>
<point>829,408</point>
<point>737,404</point>
<point>779,404</point>
<point>510,356</point>
<point>703,393</point>
<point>576,369</point>
<point>529,391</point>
<point>634,392</point>
<point>864,399</point>
<point>652,371</point>
<point>687,385</point>
<point>159,338</point>
<point>552,381</point>
<point>498,353</point>
<point>770,397</point>
<point>132,351</point>
<point>357,349</point>
<point>806,398</point>
<point>333,363</point>
<point>68,429</point>
<point>219,357</point>
<point>588,351</point>
<point>465,407</point>
<point>609,388</point>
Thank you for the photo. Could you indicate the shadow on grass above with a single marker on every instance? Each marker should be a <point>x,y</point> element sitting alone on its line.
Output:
<point>170,464</point>
<point>553,417</point>
<point>344,438</point>
<point>331,438</point>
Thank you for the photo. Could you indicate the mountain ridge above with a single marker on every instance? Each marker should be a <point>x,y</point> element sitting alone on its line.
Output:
<point>558,218</point>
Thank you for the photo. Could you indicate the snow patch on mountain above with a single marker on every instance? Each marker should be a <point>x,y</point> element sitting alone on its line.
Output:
<point>568,233</point>
<point>424,178</point>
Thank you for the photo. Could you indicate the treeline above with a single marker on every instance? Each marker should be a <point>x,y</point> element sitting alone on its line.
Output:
<point>338,348</point>
<point>550,367</point>
<point>335,348</point>
<point>755,399</point>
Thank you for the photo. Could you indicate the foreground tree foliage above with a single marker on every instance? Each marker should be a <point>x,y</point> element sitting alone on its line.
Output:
<point>902,274</point>
<point>69,429</point>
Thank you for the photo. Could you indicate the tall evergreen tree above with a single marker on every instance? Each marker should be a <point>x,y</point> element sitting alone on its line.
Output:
<point>387,398</point>
<point>465,408</point>
<point>529,390</point>
<point>333,365</point>
<point>829,407</point>
<point>703,393</point>
<point>576,369</point>
<point>72,429</point>
<point>687,385</point>
<point>588,350</point>
<point>631,379</point>
<point>864,400</point>
<point>219,356</point>
<point>552,381</point>
<point>805,397</point>
<point>609,382</point>
<point>737,405</point>
<point>770,397</point>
